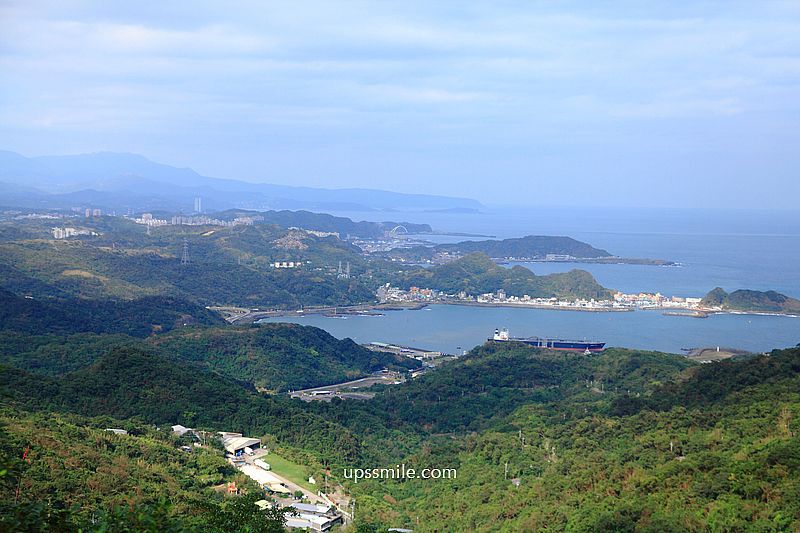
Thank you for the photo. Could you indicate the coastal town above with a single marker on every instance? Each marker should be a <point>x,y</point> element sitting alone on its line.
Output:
<point>621,302</point>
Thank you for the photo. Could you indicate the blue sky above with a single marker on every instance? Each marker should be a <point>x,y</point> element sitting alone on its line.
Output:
<point>561,103</point>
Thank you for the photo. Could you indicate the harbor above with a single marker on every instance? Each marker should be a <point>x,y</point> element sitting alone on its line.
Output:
<point>452,329</point>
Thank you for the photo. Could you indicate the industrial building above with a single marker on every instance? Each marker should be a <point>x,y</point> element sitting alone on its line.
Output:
<point>240,445</point>
<point>312,516</point>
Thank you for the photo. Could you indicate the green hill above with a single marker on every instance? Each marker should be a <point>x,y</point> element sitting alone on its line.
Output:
<point>528,247</point>
<point>749,300</point>
<point>75,476</point>
<point>226,266</point>
<point>625,441</point>
<point>129,382</point>
<point>139,317</point>
<point>535,247</point>
<point>476,273</point>
<point>278,356</point>
<point>324,222</point>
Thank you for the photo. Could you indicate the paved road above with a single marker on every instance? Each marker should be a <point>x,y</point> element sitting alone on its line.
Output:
<point>261,476</point>
<point>345,390</point>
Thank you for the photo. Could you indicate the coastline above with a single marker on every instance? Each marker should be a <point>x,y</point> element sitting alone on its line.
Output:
<point>539,306</point>
<point>376,310</point>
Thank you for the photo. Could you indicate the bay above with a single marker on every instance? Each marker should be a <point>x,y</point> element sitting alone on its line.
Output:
<point>448,327</point>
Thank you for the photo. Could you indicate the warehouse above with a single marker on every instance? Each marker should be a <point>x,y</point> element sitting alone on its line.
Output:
<point>240,445</point>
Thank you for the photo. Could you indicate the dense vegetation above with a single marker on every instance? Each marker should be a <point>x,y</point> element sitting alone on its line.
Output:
<point>621,442</point>
<point>275,357</point>
<point>227,266</point>
<point>625,440</point>
<point>235,266</point>
<point>477,274</point>
<point>529,247</point>
<point>749,300</point>
<point>128,382</point>
<point>139,317</point>
<point>278,356</point>
<point>65,473</point>
<point>345,227</point>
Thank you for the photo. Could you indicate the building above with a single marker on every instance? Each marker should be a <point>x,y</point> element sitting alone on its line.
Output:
<point>198,204</point>
<point>64,233</point>
<point>180,430</point>
<point>287,264</point>
<point>315,517</point>
<point>267,480</point>
<point>240,445</point>
<point>310,516</point>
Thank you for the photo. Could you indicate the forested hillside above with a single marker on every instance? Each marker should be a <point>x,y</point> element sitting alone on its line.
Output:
<point>130,383</point>
<point>67,473</point>
<point>278,356</point>
<point>140,317</point>
<point>476,273</point>
<point>626,441</point>
<point>226,265</point>
<point>749,300</point>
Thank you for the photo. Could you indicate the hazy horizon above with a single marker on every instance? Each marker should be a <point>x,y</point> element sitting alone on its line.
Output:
<point>624,105</point>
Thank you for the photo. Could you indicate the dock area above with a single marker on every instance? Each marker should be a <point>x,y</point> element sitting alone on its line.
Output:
<point>421,354</point>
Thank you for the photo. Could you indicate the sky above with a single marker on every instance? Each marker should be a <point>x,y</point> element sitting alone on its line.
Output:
<point>596,103</point>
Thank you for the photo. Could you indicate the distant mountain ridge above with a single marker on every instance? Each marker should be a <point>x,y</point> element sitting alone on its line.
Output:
<point>131,181</point>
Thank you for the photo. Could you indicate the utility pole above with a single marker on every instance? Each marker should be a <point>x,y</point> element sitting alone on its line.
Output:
<point>185,256</point>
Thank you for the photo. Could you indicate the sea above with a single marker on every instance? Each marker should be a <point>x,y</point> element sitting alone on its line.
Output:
<point>732,249</point>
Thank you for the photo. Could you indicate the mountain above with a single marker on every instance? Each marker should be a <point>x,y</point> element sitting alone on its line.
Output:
<point>128,181</point>
<point>528,247</point>
<point>345,227</point>
<point>228,265</point>
<point>623,441</point>
<point>138,318</point>
<point>278,357</point>
<point>129,382</point>
<point>533,247</point>
<point>476,273</point>
<point>96,480</point>
<point>749,300</point>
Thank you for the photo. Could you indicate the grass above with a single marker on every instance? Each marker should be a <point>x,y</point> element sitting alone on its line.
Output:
<point>291,471</point>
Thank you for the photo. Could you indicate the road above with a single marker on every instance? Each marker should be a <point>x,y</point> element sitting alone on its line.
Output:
<point>262,476</point>
<point>345,390</point>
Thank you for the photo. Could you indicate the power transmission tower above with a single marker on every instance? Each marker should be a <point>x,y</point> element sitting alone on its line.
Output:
<point>185,256</point>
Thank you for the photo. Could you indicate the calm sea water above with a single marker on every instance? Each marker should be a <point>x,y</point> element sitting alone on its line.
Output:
<point>731,249</point>
<point>726,248</point>
<point>448,327</point>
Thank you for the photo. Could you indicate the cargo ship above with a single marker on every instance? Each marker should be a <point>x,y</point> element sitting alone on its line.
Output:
<point>587,347</point>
